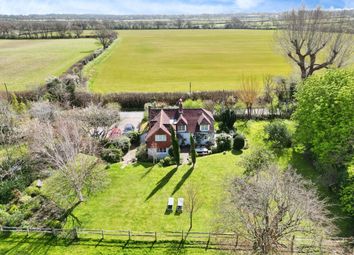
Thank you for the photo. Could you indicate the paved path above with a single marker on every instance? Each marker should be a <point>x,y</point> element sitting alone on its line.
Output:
<point>133,118</point>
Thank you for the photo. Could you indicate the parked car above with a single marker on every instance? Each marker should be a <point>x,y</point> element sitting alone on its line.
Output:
<point>128,128</point>
<point>201,151</point>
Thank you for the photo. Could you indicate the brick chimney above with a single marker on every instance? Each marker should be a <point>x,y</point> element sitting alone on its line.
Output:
<point>180,106</point>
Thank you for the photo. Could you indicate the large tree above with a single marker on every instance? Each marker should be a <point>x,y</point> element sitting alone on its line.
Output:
<point>324,113</point>
<point>314,39</point>
<point>106,36</point>
<point>248,93</point>
<point>64,146</point>
<point>269,209</point>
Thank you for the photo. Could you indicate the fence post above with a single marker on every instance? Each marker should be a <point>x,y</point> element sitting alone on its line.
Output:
<point>102,234</point>
<point>76,236</point>
<point>155,236</point>
<point>53,231</point>
<point>129,234</point>
<point>236,242</point>
<point>27,231</point>
<point>182,235</point>
<point>292,245</point>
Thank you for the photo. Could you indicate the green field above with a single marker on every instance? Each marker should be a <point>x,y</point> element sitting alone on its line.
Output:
<point>167,60</point>
<point>25,64</point>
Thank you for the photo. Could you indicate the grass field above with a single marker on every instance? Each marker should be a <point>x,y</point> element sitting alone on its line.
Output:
<point>25,64</point>
<point>167,60</point>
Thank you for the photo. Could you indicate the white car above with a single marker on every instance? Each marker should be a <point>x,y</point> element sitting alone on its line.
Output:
<point>201,151</point>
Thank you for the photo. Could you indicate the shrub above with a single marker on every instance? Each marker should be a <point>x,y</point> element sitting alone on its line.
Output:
<point>258,159</point>
<point>193,104</point>
<point>142,154</point>
<point>32,191</point>
<point>20,176</point>
<point>43,110</point>
<point>112,155</point>
<point>227,120</point>
<point>167,161</point>
<point>347,197</point>
<point>278,134</point>
<point>223,142</point>
<point>134,138</point>
<point>239,142</point>
<point>122,142</point>
<point>4,216</point>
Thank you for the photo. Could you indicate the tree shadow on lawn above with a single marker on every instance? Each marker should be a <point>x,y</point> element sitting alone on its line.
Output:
<point>183,180</point>
<point>161,183</point>
<point>147,171</point>
<point>30,245</point>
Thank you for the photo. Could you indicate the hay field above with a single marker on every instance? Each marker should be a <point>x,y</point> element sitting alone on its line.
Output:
<point>25,64</point>
<point>167,60</point>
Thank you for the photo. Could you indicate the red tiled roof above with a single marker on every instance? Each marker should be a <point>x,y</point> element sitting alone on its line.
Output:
<point>204,119</point>
<point>159,122</point>
<point>190,115</point>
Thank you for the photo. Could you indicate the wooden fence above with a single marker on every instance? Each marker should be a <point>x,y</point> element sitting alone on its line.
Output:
<point>207,240</point>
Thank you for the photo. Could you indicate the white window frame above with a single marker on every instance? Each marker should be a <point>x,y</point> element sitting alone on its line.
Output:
<point>181,130</point>
<point>161,150</point>
<point>203,129</point>
<point>160,138</point>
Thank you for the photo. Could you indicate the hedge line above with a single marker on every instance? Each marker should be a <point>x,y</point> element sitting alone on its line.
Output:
<point>130,101</point>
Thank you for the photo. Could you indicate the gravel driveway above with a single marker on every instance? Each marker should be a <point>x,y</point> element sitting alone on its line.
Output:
<point>133,118</point>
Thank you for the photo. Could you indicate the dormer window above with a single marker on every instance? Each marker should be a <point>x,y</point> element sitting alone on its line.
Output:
<point>181,128</point>
<point>204,127</point>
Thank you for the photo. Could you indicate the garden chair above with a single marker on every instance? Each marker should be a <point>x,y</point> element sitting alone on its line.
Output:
<point>170,204</point>
<point>179,208</point>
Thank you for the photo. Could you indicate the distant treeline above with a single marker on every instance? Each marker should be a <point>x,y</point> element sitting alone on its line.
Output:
<point>45,29</point>
<point>76,26</point>
<point>20,29</point>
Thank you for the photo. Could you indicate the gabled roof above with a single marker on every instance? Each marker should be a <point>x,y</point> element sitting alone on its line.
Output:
<point>191,116</point>
<point>162,118</point>
<point>158,123</point>
<point>203,118</point>
<point>182,118</point>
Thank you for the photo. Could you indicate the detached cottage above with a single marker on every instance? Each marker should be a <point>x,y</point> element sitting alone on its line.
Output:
<point>198,122</point>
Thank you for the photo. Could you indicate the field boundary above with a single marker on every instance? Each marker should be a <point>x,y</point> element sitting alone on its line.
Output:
<point>207,240</point>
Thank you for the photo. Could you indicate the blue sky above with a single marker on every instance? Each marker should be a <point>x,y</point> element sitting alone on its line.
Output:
<point>161,6</point>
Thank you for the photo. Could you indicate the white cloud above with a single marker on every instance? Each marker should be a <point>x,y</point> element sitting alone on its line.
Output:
<point>110,7</point>
<point>248,4</point>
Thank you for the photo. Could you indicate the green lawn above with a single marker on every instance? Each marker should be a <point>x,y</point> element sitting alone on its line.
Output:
<point>25,64</point>
<point>137,196</point>
<point>19,244</point>
<point>167,60</point>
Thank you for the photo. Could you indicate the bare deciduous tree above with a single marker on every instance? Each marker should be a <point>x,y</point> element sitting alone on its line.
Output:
<point>95,119</point>
<point>192,204</point>
<point>44,111</point>
<point>248,94</point>
<point>106,36</point>
<point>314,39</point>
<point>67,148</point>
<point>271,209</point>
